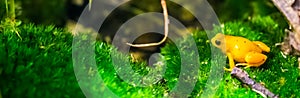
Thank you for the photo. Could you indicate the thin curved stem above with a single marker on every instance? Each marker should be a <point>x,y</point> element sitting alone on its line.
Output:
<point>6,7</point>
<point>166,30</point>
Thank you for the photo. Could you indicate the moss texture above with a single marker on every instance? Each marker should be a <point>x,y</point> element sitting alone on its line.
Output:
<point>40,64</point>
<point>279,74</point>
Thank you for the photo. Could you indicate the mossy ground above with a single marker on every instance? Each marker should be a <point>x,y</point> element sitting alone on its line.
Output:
<point>40,64</point>
<point>279,74</point>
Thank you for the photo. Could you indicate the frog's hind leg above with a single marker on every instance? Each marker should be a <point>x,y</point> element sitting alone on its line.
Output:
<point>254,59</point>
<point>243,64</point>
<point>262,46</point>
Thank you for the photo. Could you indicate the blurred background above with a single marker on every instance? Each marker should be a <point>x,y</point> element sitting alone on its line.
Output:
<point>60,12</point>
<point>52,17</point>
<point>65,13</point>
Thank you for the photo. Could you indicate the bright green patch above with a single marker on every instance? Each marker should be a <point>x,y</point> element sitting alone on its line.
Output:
<point>40,65</point>
<point>280,75</point>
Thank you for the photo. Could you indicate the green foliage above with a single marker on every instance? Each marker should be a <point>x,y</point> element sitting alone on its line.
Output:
<point>257,28</point>
<point>11,24</point>
<point>280,75</point>
<point>230,10</point>
<point>174,60</point>
<point>39,65</point>
<point>121,87</point>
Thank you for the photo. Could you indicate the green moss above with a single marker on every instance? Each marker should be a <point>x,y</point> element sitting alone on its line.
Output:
<point>280,75</point>
<point>40,64</point>
<point>120,86</point>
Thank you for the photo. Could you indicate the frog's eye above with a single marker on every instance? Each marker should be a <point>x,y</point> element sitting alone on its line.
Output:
<point>218,42</point>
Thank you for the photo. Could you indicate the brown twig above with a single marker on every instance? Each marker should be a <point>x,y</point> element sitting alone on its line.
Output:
<point>291,10</point>
<point>291,14</point>
<point>166,23</point>
<point>245,78</point>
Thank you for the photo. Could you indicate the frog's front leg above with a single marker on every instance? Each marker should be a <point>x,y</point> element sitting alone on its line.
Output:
<point>253,59</point>
<point>231,62</point>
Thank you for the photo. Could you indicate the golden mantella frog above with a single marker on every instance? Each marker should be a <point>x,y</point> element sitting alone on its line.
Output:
<point>245,52</point>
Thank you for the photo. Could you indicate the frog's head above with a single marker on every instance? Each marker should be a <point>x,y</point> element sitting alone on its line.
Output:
<point>219,41</point>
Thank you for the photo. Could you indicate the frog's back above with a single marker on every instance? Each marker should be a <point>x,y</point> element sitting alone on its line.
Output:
<point>235,43</point>
<point>239,47</point>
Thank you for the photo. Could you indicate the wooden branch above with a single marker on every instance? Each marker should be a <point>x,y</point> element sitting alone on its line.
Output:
<point>166,30</point>
<point>289,8</point>
<point>245,78</point>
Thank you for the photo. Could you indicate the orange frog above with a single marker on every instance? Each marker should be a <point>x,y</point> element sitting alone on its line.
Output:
<point>245,52</point>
